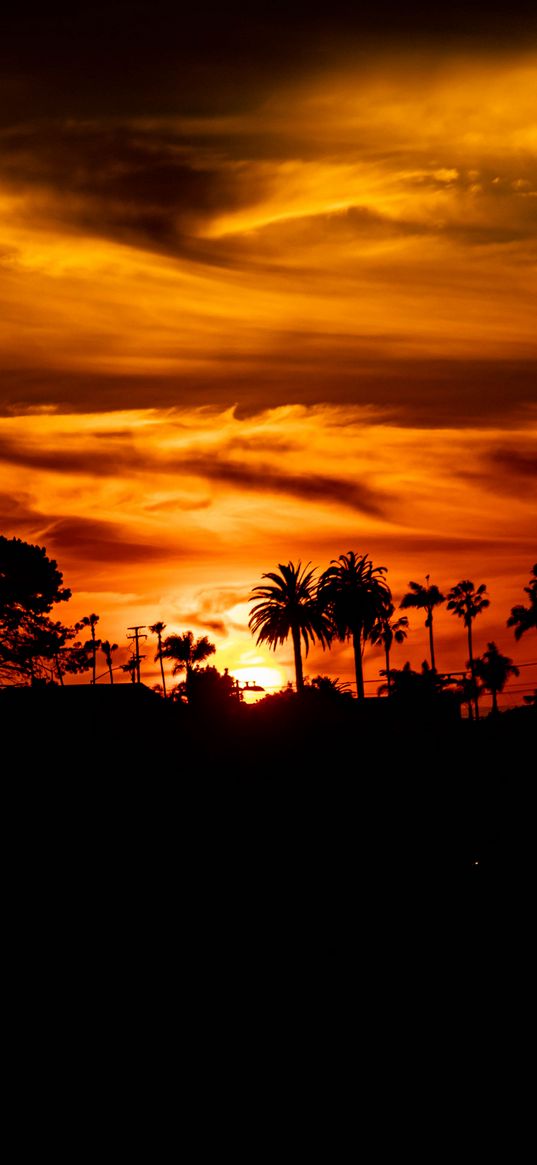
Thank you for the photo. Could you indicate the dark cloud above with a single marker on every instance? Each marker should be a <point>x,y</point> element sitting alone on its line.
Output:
<point>144,188</point>
<point>96,462</point>
<point>261,478</point>
<point>93,540</point>
<point>507,471</point>
<point>518,463</point>
<point>153,58</point>
<point>258,478</point>
<point>313,487</point>
<point>17,514</point>
<point>335,370</point>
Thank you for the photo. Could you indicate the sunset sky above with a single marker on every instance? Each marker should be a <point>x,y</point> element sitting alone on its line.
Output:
<point>268,292</point>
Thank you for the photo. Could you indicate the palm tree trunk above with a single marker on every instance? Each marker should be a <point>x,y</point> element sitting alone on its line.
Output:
<point>357,645</point>
<point>161,665</point>
<point>494,702</point>
<point>431,641</point>
<point>472,669</point>
<point>94,654</point>
<point>59,671</point>
<point>388,670</point>
<point>298,659</point>
<point>110,670</point>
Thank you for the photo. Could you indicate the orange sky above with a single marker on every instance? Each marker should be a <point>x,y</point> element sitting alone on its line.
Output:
<point>278,331</point>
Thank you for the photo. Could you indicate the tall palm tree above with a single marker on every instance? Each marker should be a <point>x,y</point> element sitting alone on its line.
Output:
<point>523,618</point>
<point>354,594</point>
<point>157,629</point>
<point>107,648</point>
<point>186,652</point>
<point>91,621</point>
<point>468,603</point>
<point>387,631</point>
<point>288,606</point>
<point>425,598</point>
<point>494,669</point>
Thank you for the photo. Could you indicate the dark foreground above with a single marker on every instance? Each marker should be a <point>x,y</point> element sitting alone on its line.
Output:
<point>317,798</point>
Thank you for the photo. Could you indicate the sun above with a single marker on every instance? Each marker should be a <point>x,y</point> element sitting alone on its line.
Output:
<point>271,679</point>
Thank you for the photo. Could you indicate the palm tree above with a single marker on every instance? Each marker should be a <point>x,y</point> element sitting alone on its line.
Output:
<point>387,631</point>
<point>90,621</point>
<point>426,599</point>
<point>468,603</point>
<point>523,618</point>
<point>130,668</point>
<point>354,594</point>
<point>157,629</point>
<point>494,669</point>
<point>186,652</point>
<point>288,606</point>
<point>107,648</point>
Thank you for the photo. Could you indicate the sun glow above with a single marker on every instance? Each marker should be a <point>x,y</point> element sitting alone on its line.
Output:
<point>271,679</point>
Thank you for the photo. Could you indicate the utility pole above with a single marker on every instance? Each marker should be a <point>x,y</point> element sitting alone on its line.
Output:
<point>137,657</point>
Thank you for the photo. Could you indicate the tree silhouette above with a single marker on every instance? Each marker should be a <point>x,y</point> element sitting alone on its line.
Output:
<point>30,585</point>
<point>494,669</point>
<point>467,604</point>
<point>411,685</point>
<point>288,606</point>
<point>354,594</point>
<point>186,652</point>
<point>91,621</point>
<point>157,629</point>
<point>523,618</point>
<point>387,631</point>
<point>425,598</point>
<point>130,668</point>
<point>107,648</point>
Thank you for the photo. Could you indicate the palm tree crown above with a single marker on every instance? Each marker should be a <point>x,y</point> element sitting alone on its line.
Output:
<point>91,622</point>
<point>494,669</point>
<point>288,606</point>
<point>425,599</point>
<point>523,618</point>
<point>186,651</point>
<point>387,631</point>
<point>107,648</point>
<point>468,603</point>
<point>354,593</point>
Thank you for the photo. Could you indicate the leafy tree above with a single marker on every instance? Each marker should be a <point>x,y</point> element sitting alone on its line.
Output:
<point>206,690</point>
<point>107,648</point>
<point>494,669</point>
<point>288,606</point>
<point>387,631</point>
<point>30,585</point>
<point>424,599</point>
<point>524,618</point>
<point>467,603</point>
<point>157,629</point>
<point>414,686</point>
<point>354,595</point>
